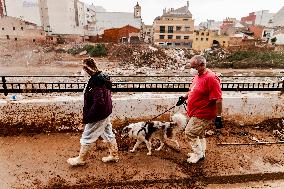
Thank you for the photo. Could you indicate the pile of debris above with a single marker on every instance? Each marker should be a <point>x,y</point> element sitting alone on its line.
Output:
<point>274,126</point>
<point>153,57</point>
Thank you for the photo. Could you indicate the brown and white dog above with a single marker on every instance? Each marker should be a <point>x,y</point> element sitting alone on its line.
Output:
<point>146,131</point>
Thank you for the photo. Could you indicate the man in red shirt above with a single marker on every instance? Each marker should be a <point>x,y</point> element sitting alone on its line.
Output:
<point>204,104</point>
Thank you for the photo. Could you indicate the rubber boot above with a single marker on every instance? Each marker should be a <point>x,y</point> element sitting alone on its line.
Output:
<point>197,151</point>
<point>113,153</point>
<point>80,160</point>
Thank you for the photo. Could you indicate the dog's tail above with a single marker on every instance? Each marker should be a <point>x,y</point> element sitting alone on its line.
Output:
<point>180,119</point>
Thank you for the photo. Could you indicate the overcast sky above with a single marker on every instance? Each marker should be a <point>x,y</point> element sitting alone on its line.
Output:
<point>200,9</point>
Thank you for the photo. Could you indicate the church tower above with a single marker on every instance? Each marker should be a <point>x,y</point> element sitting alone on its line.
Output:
<point>137,11</point>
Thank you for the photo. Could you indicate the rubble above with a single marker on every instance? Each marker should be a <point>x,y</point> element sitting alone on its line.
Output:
<point>142,55</point>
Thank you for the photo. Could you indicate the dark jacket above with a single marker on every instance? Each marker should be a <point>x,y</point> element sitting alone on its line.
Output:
<point>97,99</point>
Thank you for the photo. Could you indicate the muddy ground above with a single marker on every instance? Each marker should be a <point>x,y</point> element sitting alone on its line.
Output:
<point>39,161</point>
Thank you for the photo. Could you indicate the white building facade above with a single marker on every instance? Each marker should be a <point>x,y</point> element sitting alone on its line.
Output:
<point>107,20</point>
<point>263,17</point>
<point>27,10</point>
<point>55,16</point>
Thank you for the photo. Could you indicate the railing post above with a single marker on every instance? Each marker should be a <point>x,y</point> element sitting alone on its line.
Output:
<point>4,86</point>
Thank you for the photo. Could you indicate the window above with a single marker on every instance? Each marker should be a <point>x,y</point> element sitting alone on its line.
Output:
<point>177,44</point>
<point>186,37</point>
<point>8,37</point>
<point>178,28</point>
<point>34,40</point>
<point>2,28</point>
<point>170,36</point>
<point>206,39</point>
<point>162,36</point>
<point>196,39</point>
<point>162,29</point>
<point>16,39</point>
<point>170,29</point>
<point>202,33</point>
<point>169,43</point>
<point>22,28</point>
<point>201,39</point>
<point>185,19</point>
<point>224,41</point>
<point>14,28</point>
<point>187,28</point>
<point>178,37</point>
<point>148,33</point>
<point>207,34</point>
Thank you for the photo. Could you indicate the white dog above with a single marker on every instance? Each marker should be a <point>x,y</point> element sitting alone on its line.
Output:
<point>144,132</point>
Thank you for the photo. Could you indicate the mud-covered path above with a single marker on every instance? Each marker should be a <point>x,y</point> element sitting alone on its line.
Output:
<point>39,161</point>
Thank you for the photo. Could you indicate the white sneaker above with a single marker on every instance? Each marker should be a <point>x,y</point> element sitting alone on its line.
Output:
<point>110,158</point>
<point>194,158</point>
<point>76,161</point>
<point>191,154</point>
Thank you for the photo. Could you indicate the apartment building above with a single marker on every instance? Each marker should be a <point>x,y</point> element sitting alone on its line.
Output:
<point>211,25</point>
<point>174,28</point>
<point>204,39</point>
<point>261,18</point>
<point>148,33</point>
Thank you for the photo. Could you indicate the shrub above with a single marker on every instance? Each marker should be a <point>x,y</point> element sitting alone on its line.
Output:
<point>74,50</point>
<point>98,50</point>
<point>240,55</point>
<point>89,48</point>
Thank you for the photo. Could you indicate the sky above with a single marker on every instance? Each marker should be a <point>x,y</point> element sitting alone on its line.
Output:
<point>200,9</point>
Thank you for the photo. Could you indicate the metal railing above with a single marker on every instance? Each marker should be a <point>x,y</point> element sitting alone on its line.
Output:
<point>121,86</point>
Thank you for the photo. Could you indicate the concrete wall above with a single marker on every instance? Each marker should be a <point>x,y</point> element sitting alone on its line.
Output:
<point>27,10</point>
<point>16,29</point>
<point>62,16</point>
<point>65,113</point>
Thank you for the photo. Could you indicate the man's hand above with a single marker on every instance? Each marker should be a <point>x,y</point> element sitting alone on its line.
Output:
<point>180,101</point>
<point>218,122</point>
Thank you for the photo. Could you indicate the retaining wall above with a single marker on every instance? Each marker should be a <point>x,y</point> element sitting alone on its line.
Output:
<point>64,113</point>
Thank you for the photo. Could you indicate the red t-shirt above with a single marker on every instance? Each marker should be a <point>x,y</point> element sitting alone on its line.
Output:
<point>202,96</point>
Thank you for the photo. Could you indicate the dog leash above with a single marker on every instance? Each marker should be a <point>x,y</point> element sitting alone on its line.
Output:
<point>144,127</point>
<point>161,113</point>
